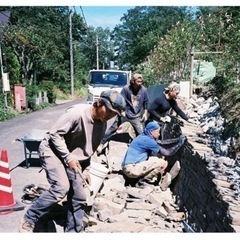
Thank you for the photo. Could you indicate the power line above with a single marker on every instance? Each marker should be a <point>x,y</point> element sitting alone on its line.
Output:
<point>83,15</point>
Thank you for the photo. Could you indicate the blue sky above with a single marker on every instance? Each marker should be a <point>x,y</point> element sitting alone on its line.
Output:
<point>103,16</point>
<point>119,3</point>
<point>109,16</point>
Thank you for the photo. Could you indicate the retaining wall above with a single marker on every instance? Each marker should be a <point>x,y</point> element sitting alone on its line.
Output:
<point>195,192</point>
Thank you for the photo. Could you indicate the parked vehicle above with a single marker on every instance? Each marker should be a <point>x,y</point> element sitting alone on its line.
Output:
<point>102,80</point>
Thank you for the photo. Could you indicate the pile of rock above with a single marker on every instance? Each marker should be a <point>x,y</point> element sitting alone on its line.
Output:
<point>207,114</point>
<point>120,208</point>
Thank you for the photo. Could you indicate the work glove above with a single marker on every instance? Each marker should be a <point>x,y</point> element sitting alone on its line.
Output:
<point>123,114</point>
<point>144,117</point>
<point>182,139</point>
<point>86,176</point>
<point>165,119</point>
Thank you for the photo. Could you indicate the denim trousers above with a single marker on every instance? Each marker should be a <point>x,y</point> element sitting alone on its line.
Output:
<point>63,181</point>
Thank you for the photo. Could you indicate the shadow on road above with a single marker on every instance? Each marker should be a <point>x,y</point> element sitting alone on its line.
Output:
<point>32,162</point>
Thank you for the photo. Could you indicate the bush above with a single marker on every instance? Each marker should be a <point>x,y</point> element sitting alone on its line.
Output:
<point>5,113</point>
<point>48,86</point>
<point>228,93</point>
<point>31,93</point>
<point>222,85</point>
<point>42,106</point>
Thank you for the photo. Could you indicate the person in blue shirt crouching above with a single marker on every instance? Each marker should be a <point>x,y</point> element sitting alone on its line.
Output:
<point>143,159</point>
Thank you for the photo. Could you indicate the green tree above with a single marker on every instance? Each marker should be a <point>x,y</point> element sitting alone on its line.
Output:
<point>40,41</point>
<point>105,47</point>
<point>212,31</point>
<point>141,29</point>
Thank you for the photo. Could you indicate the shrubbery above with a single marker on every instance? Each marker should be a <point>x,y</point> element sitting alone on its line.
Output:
<point>48,86</point>
<point>5,113</point>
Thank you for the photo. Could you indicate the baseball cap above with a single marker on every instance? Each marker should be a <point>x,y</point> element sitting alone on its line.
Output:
<point>137,76</point>
<point>113,100</point>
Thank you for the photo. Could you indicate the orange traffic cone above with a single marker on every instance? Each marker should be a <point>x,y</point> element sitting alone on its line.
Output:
<point>7,202</point>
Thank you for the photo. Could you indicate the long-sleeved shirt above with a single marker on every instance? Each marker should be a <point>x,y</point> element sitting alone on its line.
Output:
<point>135,103</point>
<point>140,149</point>
<point>161,105</point>
<point>75,135</point>
<point>145,145</point>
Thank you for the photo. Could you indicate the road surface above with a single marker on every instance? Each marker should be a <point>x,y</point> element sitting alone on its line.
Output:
<point>20,175</point>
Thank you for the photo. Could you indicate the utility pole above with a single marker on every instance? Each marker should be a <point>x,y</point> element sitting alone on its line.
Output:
<point>1,62</point>
<point>97,54</point>
<point>71,52</point>
<point>1,65</point>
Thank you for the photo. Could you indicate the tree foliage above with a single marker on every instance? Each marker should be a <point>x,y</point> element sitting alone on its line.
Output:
<point>211,31</point>
<point>98,38</point>
<point>154,40</point>
<point>141,29</point>
<point>40,42</point>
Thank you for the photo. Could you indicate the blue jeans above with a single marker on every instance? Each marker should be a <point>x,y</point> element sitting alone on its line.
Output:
<point>63,181</point>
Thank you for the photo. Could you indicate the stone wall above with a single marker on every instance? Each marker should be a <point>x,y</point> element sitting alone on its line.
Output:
<point>196,193</point>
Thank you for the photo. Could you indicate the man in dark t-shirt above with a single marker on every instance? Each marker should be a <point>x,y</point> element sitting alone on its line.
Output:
<point>136,98</point>
<point>164,102</point>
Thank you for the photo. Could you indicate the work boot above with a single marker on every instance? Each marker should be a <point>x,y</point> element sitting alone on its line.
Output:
<point>165,181</point>
<point>26,226</point>
<point>175,170</point>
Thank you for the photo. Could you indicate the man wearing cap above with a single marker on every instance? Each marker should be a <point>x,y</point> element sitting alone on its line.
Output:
<point>143,157</point>
<point>136,98</point>
<point>67,149</point>
<point>164,102</point>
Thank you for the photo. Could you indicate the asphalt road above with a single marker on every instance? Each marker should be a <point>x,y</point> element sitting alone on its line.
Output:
<point>20,175</point>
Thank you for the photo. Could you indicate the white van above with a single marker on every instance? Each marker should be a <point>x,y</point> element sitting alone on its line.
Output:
<point>102,80</point>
